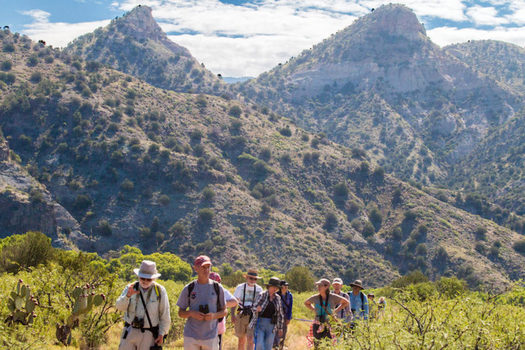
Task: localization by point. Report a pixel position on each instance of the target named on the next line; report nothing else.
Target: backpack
(217, 288)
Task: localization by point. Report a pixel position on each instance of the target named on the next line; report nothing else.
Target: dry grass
(296, 339)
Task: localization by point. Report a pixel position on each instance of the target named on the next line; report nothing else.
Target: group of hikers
(260, 317)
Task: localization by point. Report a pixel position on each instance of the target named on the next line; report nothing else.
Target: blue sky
(246, 38)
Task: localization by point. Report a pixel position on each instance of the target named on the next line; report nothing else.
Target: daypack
(217, 288)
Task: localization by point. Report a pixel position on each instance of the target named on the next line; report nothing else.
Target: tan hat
(337, 280)
(323, 281)
(148, 269)
(252, 273)
(357, 283)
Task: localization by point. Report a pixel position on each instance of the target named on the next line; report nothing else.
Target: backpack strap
(190, 289)
(157, 291)
(362, 302)
(218, 292)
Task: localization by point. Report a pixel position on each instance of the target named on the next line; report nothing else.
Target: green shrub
(413, 277)
(104, 228)
(330, 221)
(127, 185)
(82, 201)
(235, 111)
(519, 246)
(341, 190)
(208, 194)
(450, 287)
(206, 215)
(6, 65)
(24, 251)
(286, 131)
(300, 279)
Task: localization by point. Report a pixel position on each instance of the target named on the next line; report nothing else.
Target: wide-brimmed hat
(323, 281)
(274, 282)
(202, 260)
(284, 283)
(147, 269)
(357, 283)
(252, 273)
(370, 295)
(337, 280)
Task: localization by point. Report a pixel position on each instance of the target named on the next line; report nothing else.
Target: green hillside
(186, 173)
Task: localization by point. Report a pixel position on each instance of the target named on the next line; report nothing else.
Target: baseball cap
(202, 260)
(337, 281)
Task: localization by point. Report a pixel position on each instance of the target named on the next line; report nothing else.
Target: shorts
(196, 344)
(241, 326)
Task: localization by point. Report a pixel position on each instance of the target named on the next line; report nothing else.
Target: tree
(300, 279)
(330, 221)
(235, 111)
(23, 251)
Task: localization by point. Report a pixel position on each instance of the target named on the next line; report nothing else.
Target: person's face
(251, 280)
(371, 297)
(337, 287)
(355, 289)
(323, 287)
(272, 290)
(203, 270)
(284, 289)
(145, 283)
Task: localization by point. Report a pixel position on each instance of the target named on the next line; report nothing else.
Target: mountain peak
(139, 23)
(395, 20)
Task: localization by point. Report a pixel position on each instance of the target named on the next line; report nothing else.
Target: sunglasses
(252, 278)
(323, 285)
(146, 279)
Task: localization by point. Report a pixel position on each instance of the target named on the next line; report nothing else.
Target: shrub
(6, 65)
(32, 61)
(208, 194)
(235, 111)
(206, 215)
(36, 77)
(82, 201)
(450, 287)
(104, 228)
(196, 135)
(23, 251)
(286, 131)
(127, 185)
(368, 229)
(300, 279)
(341, 190)
(266, 154)
(481, 233)
(164, 199)
(519, 246)
(376, 217)
(330, 221)
(413, 277)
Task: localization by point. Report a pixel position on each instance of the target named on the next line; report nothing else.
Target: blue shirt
(287, 301)
(355, 304)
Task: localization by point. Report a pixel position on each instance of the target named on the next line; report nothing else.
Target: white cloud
(485, 16)
(58, 34)
(446, 9)
(450, 35)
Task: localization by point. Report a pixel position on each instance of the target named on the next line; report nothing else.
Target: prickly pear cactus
(21, 305)
(84, 300)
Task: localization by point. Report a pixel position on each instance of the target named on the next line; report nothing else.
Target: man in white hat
(344, 314)
(144, 326)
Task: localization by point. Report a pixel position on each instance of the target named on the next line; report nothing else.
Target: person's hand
(131, 290)
(209, 317)
(197, 315)
(159, 339)
(259, 308)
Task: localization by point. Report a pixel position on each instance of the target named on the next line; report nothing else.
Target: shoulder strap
(362, 301)
(218, 292)
(190, 289)
(145, 308)
(157, 291)
(244, 295)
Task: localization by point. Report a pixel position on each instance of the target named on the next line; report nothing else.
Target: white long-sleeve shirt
(159, 310)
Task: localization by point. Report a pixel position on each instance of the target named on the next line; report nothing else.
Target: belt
(126, 324)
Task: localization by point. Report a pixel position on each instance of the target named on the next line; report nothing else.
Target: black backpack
(217, 288)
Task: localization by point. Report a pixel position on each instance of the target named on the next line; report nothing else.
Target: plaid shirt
(262, 301)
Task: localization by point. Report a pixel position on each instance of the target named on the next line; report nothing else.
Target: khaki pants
(241, 326)
(136, 340)
(197, 344)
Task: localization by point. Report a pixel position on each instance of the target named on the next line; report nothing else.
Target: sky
(246, 38)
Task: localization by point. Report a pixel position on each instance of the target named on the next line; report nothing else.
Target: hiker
(287, 302)
(345, 314)
(246, 293)
(268, 316)
(231, 301)
(203, 303)
(146, 310)
(381, 306)
(372, 305)
(358, 301)
(324, 304)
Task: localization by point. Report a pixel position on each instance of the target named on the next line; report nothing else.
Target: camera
(204, 309)
(247, 311)
(137, 323)
(136, 286)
